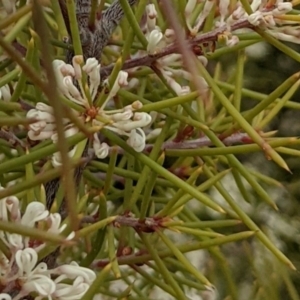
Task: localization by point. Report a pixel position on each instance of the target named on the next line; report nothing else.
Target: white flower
(45, 125)
(56, 158)
(120, 121)
(223, 8)
(9, 6)
(77, 61)
(72, 271)
(54, 223)
(190, 6)
(30, 276)
(5, 297)
(121, 81)
(153, 133)
(282, 8)
(75, 291)
(122, 116)
(5, 267)
(5, 93)
(204, 13)
(169, 36)
(139, 120)
(154, 38)
(14, 241)
(26, 260)
(256, 18)
(40, 284)
(237, 14)
(174, 59)
(137, 140)
(203, 60)
(66, 73)
(232, 41)
(151, 16)
(284, 37)
(101, 149)
(255, 5)
(3, 209)
(72, 92)
(35, 212)
(92, 68)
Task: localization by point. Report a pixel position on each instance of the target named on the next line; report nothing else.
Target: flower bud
(137, 140)
(154, 38)
(101, 149)
(151, 16)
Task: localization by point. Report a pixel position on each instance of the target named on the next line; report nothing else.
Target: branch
(236, 138)
(148, 60)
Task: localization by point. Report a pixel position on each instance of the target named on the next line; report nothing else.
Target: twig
(148, 60)
(236, 138)
(11, 138)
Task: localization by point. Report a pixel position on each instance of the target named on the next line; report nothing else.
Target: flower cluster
(126, 121)
(265, 15)
(22, 268)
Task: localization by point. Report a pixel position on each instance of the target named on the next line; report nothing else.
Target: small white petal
(234, 40)
(151, 16)
(15, 241)
(72, 90)
(5, 93)
(90, 65)
(67, 70)
(39, 136)
(35, 212)
(26, 260)
(57, 63)
(153, 134)
(71, 292)
(5, 296)
(169, 35)
(126, 115)
(68, 132)
(137, 140)
(77, 60)
(73, 270)
(172, 59)
(56, 157)
(9, 6)
(40, 284)
(120, 81)
(190, 6)
(122, 78)
(204, 13)
(282, 8)
(203, 60)
(256, 18)
(255, 5)
(54, 221)
(3, 209)
(223, 8)
(44, 107)
(92, 68)
(13, 205)
(101, 149)
(40, 115)
(154, 38)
